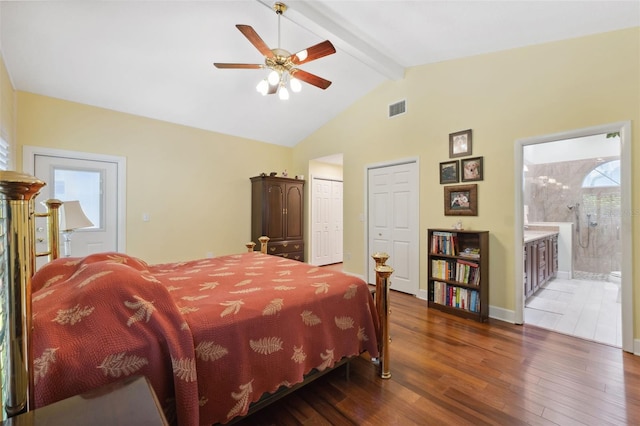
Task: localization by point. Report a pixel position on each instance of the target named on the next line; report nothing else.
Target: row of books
(459, 270)
(456, 297)
(444, 243)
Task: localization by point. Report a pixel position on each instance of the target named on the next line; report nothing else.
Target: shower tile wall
(548, 202)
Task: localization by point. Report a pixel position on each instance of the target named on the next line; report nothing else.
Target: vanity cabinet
(540, 260)
(277, 212)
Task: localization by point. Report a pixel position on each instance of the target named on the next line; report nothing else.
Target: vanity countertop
(532, 235)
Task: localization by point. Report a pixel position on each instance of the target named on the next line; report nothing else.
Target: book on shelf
(456, 297)
(459, 270)
(443, 242)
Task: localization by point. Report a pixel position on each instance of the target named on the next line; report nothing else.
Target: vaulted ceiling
(155, 58)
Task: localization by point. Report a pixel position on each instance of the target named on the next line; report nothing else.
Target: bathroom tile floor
(581, 308)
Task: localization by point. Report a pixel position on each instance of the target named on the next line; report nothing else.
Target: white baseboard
(502, 314)
(422, 294)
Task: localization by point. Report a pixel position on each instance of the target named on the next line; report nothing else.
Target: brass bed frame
(17, 266)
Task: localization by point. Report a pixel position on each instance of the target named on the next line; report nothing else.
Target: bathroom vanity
(540, 257)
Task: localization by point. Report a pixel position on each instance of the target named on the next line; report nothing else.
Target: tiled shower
(556, 192)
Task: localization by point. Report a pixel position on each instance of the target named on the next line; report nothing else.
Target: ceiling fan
(282, 63)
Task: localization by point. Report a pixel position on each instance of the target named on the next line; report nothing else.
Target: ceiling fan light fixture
(282, 65)
(263, 87)
(302, 55)
(283, 93)
(274, 77)
(295, 85)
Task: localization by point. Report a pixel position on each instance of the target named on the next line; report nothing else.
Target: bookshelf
(458, 272)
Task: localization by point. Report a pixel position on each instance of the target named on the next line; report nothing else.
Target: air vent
(398, 108)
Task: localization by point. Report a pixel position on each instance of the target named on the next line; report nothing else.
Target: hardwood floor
(447, 370)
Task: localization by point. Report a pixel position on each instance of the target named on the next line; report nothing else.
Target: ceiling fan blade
(312, 79)
(255, 39)
(236, 66)
(314, 52)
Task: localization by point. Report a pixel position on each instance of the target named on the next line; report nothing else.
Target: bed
(214, 336)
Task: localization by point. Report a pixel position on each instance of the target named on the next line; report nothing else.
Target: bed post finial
(263, 244)
(17, 192)
(250, 245)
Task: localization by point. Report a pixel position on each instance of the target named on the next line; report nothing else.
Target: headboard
(17, 265)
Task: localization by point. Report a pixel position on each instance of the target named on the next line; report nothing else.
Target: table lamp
(71, 218)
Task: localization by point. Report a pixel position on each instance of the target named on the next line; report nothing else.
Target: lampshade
(274, 77)
(72, 217)
(263, 87)
(283, 93)
(295, 84)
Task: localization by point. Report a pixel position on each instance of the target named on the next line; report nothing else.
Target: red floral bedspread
(212, 335)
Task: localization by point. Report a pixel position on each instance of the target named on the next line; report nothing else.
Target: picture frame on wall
(472, 169)
(450, 172)
(460, 144)
(461, 200)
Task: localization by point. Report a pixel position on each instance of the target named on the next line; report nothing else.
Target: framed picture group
(461, 199)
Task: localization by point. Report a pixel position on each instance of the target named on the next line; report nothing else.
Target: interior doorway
(578, 183)
(326, 221)
(326, 211)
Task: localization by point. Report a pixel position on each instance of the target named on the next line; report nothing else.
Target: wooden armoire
(277, 205)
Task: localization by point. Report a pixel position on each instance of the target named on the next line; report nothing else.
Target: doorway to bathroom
(573, 192)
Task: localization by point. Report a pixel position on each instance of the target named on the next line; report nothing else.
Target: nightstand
(131, 401)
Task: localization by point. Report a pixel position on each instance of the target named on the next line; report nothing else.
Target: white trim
(28, 166)
(624, 127)
(502, 314)
(423, 294)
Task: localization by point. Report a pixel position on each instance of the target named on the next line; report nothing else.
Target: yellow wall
(502, 97)
(7, 110)
(323, 170)
(193, 183)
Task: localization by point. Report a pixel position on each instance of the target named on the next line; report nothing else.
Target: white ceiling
(154, 58)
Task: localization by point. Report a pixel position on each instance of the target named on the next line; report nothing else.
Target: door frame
(626, 286)
(28, 166)
(365, 218)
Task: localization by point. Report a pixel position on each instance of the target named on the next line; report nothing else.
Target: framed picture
(449, 172)
(471, 169)
(461, 200)
(460, 144)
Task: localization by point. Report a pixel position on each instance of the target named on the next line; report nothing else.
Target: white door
(393, 223)
(326, 222)
(95, 184)
(320, 222)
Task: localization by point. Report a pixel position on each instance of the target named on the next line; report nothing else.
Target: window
(84, 186)
(603, 175)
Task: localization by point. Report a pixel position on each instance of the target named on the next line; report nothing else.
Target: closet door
(326, 221)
